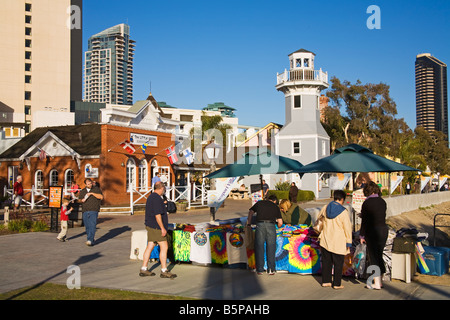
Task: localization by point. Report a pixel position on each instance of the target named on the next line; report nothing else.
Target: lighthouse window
(296, 147)
(297, 102)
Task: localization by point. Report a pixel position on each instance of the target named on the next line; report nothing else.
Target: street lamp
(212, 151)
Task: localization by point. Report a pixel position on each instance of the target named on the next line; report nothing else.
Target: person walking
(335, 239)
(374, 231)
(156, 223)
(18, 192)
(64, 220)
(91, 197)
(267, 214)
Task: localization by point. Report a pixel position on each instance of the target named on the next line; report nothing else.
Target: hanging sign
(140, 139)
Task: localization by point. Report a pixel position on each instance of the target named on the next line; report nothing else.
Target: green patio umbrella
(353, 158)
(258, 161)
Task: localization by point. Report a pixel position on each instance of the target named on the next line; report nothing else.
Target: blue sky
(199, 52)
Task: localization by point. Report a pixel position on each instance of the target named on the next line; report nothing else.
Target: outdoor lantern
(212, 150)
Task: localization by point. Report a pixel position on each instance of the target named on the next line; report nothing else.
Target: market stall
(227, 244)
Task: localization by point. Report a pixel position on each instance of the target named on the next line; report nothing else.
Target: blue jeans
(265, 233)
(90, 222)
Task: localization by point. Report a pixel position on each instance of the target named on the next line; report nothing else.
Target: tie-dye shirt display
(297, 250)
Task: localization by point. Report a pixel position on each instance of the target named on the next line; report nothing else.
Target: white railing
(195, 196)
(302, 75)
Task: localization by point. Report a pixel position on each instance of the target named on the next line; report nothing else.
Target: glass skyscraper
(108, 69)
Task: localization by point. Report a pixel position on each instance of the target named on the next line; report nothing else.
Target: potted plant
(181, 205)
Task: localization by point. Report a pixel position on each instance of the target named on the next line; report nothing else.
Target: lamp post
(212, 151)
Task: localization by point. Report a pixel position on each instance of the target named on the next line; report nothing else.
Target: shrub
(303, 195)
(39, 226)
(283, 186)
(19, 225)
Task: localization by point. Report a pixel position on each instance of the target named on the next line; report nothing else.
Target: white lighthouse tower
(302, 137)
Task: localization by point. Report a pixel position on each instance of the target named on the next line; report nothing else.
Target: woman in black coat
(374, 231)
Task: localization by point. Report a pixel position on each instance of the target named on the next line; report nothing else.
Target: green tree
(369, 116)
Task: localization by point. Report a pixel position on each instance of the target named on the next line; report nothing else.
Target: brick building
(59, 155)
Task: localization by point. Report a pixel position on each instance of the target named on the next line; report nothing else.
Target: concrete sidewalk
(33, 258)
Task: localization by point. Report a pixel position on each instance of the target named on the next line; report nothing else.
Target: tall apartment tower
(108, 69)
(431, 93)
(40, 63)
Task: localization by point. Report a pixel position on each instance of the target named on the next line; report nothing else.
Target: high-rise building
(431, 93)
(108, 69)
(40, 63)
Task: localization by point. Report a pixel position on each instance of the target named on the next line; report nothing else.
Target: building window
(69, 177)
(28, 55)
(28, 7)
(297, 102)
(324, 148)
(306, 63)
(27, 31)
(298, 63)
(39, 180)
(11, 132)
(13, 172)
(143, 175)
(28, 43)
(53, 178)
(28, 110)
(131, 175)
(27, 95)
(27, 66)
(296, 148)
(27, 19)
(27, 79)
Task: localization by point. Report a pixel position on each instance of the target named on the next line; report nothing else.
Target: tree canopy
(366, 114)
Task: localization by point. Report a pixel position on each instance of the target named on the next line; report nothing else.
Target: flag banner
(423, 182)
(188, 155)
(218, 196)
(42, 155)
(144, 146)
(442, 180)
(339, 181)
(128, 147)
(171, 154)
(395, 181)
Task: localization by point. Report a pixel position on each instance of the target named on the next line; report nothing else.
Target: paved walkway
(34, 258)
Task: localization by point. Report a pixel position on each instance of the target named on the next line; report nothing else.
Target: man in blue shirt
(156, 223)
(156, 179)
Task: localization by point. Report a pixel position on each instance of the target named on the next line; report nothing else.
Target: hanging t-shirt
(181, 245)
(236, 248)
(218, 242)
(200, 247)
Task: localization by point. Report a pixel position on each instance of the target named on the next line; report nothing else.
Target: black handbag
(404, 245)
(171, 207)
